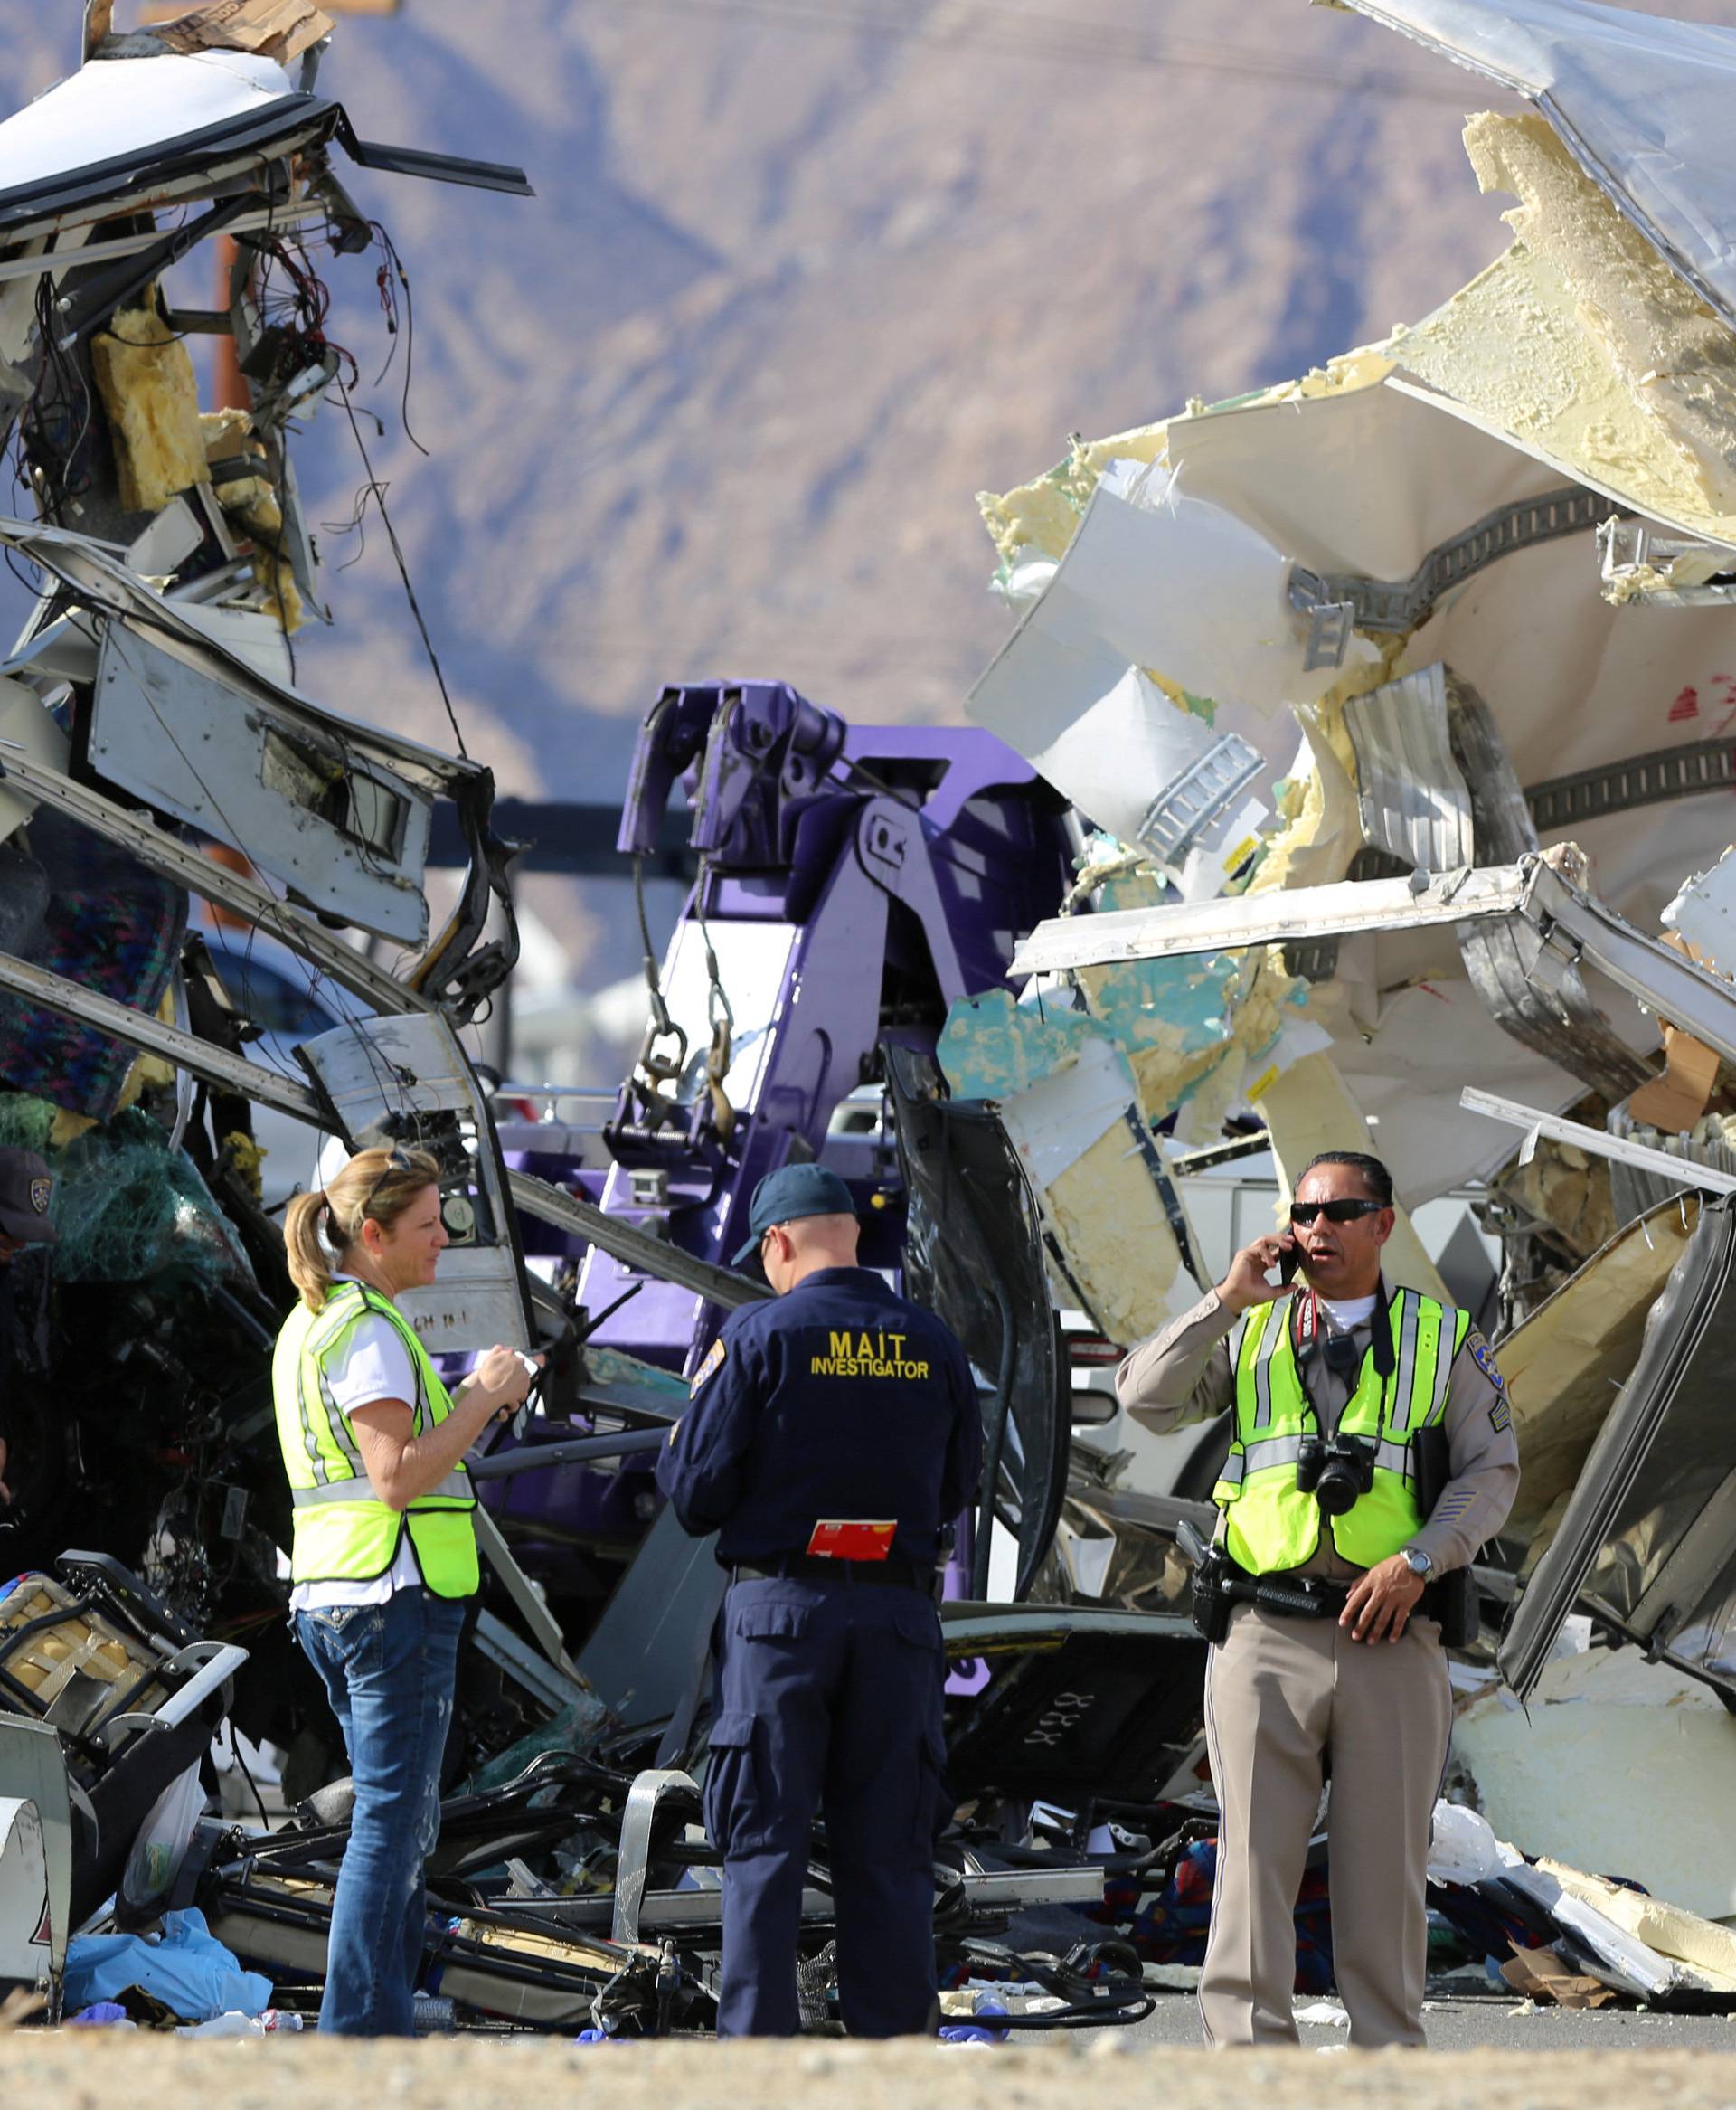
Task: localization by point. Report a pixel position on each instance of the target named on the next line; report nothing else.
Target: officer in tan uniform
(1328, 1661)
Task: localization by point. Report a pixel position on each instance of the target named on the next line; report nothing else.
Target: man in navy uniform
(831, 1433)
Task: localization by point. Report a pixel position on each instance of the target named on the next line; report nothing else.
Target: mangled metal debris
(1329, 734)
(154, 715)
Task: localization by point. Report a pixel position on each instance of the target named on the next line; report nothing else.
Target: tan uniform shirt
(1183, 1374)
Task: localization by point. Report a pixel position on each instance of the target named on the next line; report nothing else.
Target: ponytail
(309, 1268)
(319, 1228)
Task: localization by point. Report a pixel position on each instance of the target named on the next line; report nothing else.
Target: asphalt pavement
(1460, 2021)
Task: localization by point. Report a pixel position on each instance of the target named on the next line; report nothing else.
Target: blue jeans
(389, 1671)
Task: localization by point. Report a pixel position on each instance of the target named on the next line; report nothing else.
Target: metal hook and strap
(654, 1071)
(719, 1014)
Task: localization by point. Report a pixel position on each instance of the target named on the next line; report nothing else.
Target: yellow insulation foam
(144, 377)
(1582, 342)
(1108, 1216)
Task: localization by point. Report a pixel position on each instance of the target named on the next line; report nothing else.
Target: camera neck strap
(1338, 1350)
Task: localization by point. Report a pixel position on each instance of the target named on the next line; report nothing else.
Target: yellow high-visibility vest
(1270, 1524)
(342, 1531)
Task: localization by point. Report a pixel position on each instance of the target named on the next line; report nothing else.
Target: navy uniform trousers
(829, 1698)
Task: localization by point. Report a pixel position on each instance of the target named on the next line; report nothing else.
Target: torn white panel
(1055, 1121)
(23, 1895)
(1413, 800)
(1561, 1773)
(251, 634)
(115, 111)
(389, 1080)
(1704, 914)
(1271, 919)
(1169, 584)
(1642, 103)
(1404, 1062)
(295, 796)
(1198, 818)
(171, 538)
(1359, 476)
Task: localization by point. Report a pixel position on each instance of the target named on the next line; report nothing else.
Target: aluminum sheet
(1414, 802)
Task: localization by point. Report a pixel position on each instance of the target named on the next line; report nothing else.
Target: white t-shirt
(1348, 1312)
(375, 1364)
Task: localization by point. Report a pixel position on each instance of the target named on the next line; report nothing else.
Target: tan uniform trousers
(1281, 1697)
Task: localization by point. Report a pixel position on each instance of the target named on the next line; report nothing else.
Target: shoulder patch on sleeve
(712, 1363)
(1483, 1356)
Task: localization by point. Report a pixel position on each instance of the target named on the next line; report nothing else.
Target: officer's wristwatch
(1420, 1563)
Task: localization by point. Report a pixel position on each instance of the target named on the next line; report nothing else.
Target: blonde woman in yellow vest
(1332, 1375)
(385, 1551)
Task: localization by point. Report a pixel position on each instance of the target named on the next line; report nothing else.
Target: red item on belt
(845, 1539)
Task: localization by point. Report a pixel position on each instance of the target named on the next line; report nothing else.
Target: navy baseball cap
(793, 1191)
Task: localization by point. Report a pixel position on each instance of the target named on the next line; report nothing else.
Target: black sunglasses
(1337, 1212)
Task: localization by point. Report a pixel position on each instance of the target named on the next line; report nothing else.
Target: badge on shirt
(1483, 1356)
(712, 1363)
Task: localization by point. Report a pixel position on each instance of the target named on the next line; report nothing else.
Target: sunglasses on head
(399, 1160)
(1336, 1212)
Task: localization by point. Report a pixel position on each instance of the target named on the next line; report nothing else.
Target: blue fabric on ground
(185, 1968)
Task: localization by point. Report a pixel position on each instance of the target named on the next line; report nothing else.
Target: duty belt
(1294, 1596)
(807, 1567)
(1290, 1595)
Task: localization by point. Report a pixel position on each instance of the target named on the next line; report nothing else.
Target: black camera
(1335, 1473)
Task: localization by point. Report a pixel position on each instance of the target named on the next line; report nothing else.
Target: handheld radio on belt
(1451, 1598)
(1219, 1585)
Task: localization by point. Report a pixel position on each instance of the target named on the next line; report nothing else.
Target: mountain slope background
(800, 278)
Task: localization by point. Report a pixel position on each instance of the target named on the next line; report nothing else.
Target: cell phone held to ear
(1288, 1261)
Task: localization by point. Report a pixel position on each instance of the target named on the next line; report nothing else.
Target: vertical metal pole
(229, 383)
